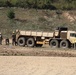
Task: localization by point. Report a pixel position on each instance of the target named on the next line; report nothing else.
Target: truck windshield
(72, 34)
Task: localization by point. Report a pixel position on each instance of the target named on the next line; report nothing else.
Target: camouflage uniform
(13, 39)
(17, 33)
(1, 39)
(7, 41)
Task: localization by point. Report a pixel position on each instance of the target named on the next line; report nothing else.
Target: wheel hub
(63, 44)
(54, 44)
(21, 41)
(30, 42)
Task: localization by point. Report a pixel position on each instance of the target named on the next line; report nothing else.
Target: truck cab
(71, 36)
(63, 38)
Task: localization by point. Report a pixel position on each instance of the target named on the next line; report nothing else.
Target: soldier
(13, 38)
(1, 38)
(7, 41)
(17, 33)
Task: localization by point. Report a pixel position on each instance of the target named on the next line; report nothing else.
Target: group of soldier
(14, 42)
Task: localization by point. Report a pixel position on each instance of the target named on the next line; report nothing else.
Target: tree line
(40, 4)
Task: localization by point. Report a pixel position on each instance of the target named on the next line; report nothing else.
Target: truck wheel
(39, 45)
(64, 44)
(53, 43)
(21, 41)
(30, 42)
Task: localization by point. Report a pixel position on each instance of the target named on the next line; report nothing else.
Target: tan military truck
(61, 37)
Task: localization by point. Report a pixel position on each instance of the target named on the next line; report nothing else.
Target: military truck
(61, 37)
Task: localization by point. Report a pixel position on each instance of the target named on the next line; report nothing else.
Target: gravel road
(24, 65)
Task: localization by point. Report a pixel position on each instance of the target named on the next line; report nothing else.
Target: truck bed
(36, 33)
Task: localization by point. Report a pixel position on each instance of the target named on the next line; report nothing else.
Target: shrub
(8, 4)
(11, 14)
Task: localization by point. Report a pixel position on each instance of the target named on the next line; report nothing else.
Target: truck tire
(39, 45)
(64, 44)
(53, 43)
(21, 41)
(30, 42)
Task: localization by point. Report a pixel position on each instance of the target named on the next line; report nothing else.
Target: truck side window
(72, 35)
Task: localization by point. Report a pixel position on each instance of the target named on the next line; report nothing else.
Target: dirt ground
(15, 60)
(41, 51)
(18, 65)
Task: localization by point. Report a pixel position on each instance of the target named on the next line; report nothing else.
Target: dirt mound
(69, 17)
